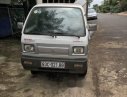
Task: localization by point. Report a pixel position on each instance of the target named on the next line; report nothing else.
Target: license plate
(49, 64)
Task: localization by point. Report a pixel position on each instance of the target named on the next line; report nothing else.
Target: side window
(31, 24)
(32, 20)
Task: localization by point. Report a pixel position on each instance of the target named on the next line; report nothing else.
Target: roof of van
(58, 5)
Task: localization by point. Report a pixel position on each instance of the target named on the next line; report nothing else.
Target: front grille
(53, 49)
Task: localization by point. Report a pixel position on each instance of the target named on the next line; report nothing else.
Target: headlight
(78, 50)
(29, 47)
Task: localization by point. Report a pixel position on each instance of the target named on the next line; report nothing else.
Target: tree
(113, 6)
(89, 1)
(123, 5)
(96, 7)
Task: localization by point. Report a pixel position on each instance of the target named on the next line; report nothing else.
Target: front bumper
(71, 65)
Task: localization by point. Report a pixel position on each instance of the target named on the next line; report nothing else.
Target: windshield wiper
(34, 33)
(67, 34)
(76, 36)
(51, 33)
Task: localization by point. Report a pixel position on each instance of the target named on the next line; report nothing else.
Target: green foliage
(96, 7)
(113, 6)
(123, 5)
(115, 9)
(89, 1)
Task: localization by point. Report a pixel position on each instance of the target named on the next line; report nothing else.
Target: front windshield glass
(58, 21)
(90, 10)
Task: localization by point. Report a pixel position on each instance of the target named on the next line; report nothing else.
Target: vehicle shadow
(64, 79)
(51, 84)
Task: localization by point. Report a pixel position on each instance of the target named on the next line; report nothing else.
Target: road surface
(107, 70)
(108, 56)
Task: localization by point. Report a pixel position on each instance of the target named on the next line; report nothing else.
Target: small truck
(55, 38)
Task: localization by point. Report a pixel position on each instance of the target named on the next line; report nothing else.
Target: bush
(115, 9)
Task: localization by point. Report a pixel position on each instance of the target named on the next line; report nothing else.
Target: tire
(33, 72)
(84, 73)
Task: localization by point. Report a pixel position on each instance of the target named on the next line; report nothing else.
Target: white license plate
(49, 64)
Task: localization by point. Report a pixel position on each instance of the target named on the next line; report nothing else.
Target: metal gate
(5, 23)
(58, 1)
(9, 18)
(16, 15)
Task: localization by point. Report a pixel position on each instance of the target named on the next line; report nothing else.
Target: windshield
(90, 10)
(58, 21)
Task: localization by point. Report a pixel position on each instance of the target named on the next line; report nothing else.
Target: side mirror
(92, 27)
(20, 25)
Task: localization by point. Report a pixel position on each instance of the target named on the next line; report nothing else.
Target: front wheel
(84, 73)
(33, 72)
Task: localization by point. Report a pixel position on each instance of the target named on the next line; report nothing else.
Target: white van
(55, 38)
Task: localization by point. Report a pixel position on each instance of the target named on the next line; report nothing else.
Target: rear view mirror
(92, 27)
(20, 25)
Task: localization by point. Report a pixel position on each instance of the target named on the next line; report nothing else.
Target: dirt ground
(108, 56)
(107, 70)
(123, 13)
(17, 82)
